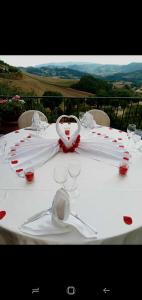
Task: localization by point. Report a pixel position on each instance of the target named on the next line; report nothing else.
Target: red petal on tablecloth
(29, 136)
(17, 145)
(98, 133)
(2, 214)
(110, 128)
(19, 170)
(114, 141)
(106, 136)
(13, 162)
(22, 141)
(120, 139)
(17, 131)
(128, 220)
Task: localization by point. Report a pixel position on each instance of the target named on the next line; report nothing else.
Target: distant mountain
(104, 70)
(135, 77)
(62, 64)
(96, 69)
(49, 71)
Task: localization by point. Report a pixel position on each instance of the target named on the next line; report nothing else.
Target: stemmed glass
(81, 116)
(136, 138)
(74, 169)
(43, 126)
(60, 174)
(130, 131)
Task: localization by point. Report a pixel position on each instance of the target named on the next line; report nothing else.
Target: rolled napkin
(57, 220)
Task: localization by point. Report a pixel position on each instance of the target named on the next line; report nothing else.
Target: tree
(93, 85)
(53, 100)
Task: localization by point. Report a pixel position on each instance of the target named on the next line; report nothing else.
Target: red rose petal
(120, 131)
(128, 220)
(114, 141)
(98, 133)
(14, 162)
(110, 128)
(19, 170)
(106, 136)
(17, 145)
(29, 136)
(2, 214)
(17, 131)
(22, 141)
(121, 146)
(93, 131)
(120, 139)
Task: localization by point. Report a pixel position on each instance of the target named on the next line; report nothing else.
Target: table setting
(66, 184)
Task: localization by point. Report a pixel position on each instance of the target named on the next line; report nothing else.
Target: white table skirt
(105, 197)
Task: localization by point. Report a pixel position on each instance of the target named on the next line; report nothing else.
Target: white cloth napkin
(89, 121)
(35, 119)
(57, 220)
(101, 149)
(36, 151)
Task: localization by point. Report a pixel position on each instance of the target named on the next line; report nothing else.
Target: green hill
(9, 72)
(135, 77)
(49, 71)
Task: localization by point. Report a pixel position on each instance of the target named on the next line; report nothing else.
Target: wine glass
(60, 174)
(74, 169)
(136, 138)
(130, 130)
(81, 116)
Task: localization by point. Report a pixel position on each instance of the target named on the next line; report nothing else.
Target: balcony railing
(121, 110)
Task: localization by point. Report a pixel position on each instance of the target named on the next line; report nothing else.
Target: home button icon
(71, 290)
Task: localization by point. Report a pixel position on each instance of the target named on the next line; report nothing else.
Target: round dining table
(108, 202)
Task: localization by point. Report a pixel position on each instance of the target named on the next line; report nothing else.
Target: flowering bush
(11, 109)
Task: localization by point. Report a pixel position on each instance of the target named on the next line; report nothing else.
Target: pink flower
(2, 101)
(16, 98)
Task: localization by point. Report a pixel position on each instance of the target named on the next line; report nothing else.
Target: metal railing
(121, 110)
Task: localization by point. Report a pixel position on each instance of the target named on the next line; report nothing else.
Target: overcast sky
(32, 60)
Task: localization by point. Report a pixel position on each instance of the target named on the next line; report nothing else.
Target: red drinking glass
(123, 170)
(124, 165)
(29, 174)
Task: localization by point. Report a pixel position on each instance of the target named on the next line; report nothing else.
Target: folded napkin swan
(57, 220)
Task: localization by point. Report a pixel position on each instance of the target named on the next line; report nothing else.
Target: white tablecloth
(105, 197)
